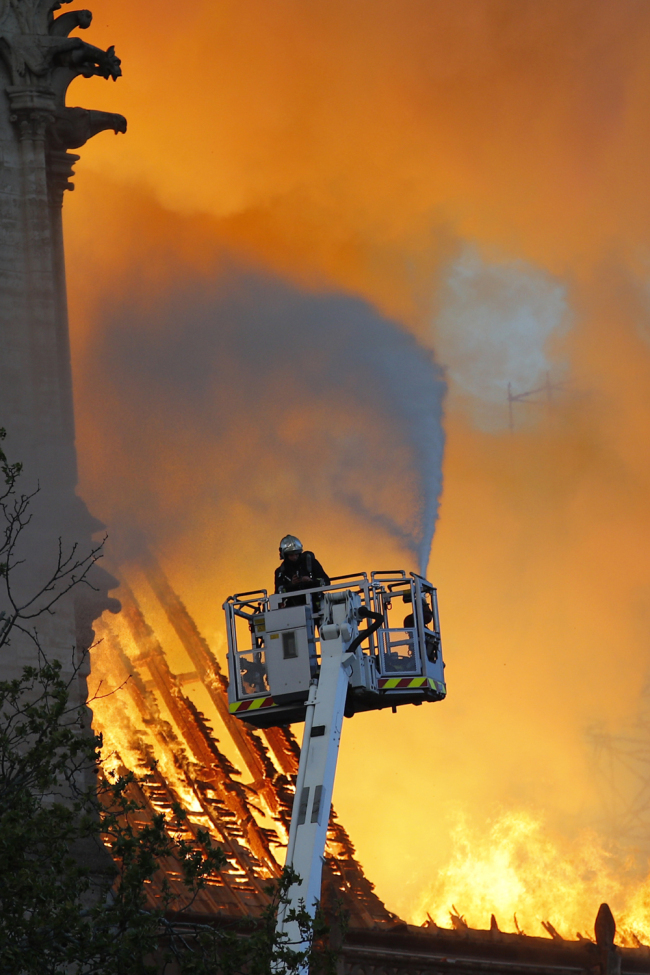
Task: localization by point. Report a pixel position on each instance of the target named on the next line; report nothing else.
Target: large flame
(514, 869)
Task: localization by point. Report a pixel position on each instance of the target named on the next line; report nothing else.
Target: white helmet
(289, 545)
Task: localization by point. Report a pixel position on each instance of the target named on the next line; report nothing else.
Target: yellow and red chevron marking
(254, 704)
(404, 683)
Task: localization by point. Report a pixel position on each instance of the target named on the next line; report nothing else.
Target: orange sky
(475, 171)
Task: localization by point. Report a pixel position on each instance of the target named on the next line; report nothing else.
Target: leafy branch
(70, 570)
(82, 884)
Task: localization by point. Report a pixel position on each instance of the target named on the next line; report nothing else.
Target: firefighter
(431, 640)
(299, 570)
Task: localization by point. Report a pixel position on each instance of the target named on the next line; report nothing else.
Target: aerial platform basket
(387, 623)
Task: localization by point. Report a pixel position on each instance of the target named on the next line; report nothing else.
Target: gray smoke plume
(274, 395)
(497, 327)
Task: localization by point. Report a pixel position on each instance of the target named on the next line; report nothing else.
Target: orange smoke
(360, 148)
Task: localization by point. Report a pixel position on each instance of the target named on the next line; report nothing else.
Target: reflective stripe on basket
(405, 683)
(254, 704)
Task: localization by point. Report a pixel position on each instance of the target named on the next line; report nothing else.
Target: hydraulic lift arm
(280, 678)
(316, 773)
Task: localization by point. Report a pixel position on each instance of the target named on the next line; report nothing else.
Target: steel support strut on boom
(302, 657)
(318, 757)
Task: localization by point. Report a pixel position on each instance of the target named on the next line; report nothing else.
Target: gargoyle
(35, 16)
(30, 56)
(43, 60)
(72, 127)
(89, 60)
(66, 23)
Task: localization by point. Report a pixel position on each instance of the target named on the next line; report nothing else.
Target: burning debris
(170, 725)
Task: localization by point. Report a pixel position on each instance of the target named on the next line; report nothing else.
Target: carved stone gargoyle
(42, 61)
(72, 127)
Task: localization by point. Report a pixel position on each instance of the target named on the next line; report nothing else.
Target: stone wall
(39, 57)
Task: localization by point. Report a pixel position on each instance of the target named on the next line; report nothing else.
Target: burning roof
(159, 700)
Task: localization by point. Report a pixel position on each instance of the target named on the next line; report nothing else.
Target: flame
(515, 869)
(118, 719)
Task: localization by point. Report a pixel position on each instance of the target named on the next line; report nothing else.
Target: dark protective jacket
(307, 565)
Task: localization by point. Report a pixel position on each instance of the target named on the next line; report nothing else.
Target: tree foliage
(65, 905)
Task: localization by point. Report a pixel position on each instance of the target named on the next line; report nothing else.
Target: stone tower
(38, 60)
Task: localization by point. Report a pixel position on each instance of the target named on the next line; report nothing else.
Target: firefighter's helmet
(290, 545)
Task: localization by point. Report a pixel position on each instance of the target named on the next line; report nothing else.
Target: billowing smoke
(293, 405)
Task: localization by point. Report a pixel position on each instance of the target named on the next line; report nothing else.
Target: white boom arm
(317, 769)
(278, 678)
